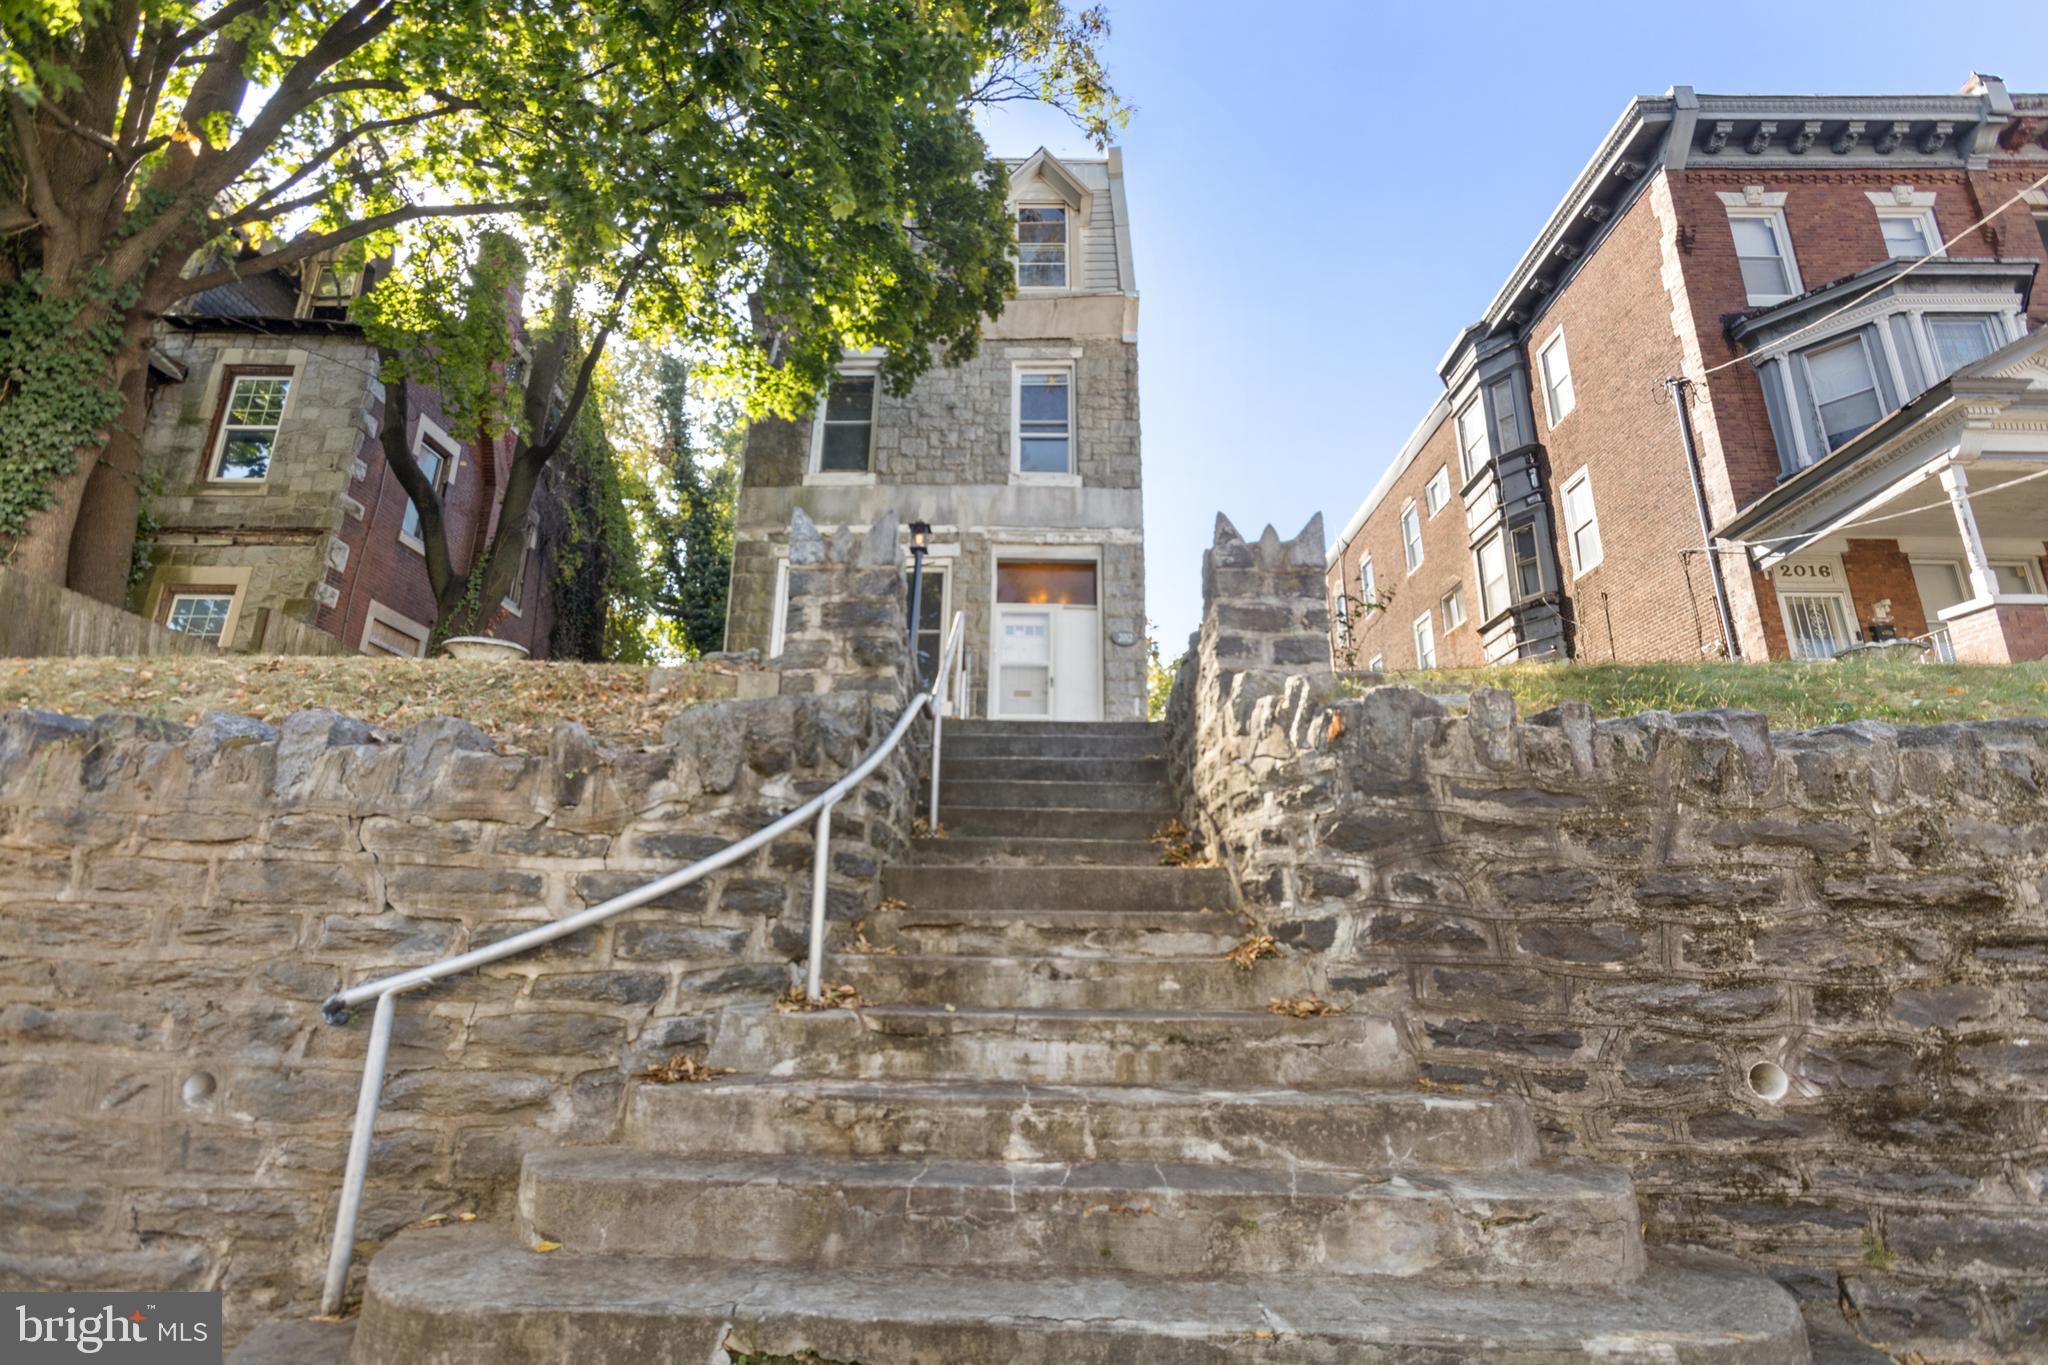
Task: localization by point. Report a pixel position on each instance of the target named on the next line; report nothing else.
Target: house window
(1763, 251)
(1340, 612)
(930, 631)
(1378, 663)
(2041, 226)
(433, 462)
(1425, 642)
(1438, 491)
(2014, 577)
(1960, 340)
(1493, 575)
(1411, 537)
(1556, 363)
(1844, 388)
(515, 600)
(387, 632)
(1908, 233)
(1045, 423)
(1368, 586)
(198, 611)
(249, 420)
(1042, 247)
(1472, 438)
(1815, 625)
(1528, 572)
(845, 441)
(1581, 523)
(1507, 423)
(1452, 607)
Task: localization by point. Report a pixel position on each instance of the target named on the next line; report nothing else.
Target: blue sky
(1323, 194)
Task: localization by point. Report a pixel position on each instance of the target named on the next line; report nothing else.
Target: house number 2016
(1806, 571)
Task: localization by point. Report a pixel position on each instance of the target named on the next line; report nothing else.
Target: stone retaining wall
(175, 905)
(1644, 926)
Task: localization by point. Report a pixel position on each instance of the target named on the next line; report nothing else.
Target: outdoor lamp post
(920, 541)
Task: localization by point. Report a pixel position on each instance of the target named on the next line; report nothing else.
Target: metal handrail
(385, 990)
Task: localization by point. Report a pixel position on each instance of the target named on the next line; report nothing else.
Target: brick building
(270, 494)
(1858, 397)
(1024, 461)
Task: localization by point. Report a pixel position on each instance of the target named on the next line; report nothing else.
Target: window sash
(204, 614)
(1493, 575)
(1507, 422)
(1411, 537)
(846, 438)
(1045, 406)
(1849, 404)
(1438, 491)
(1905, 235)
(1528, 572)
(1582, 524)
(1425, 642)
(1556, 364)
(1041, 247)
(1958, 341)
(1452, 607)
(250, 418)
(431, 462)
(1368, 585)
(1472, 451)
(1760, 252)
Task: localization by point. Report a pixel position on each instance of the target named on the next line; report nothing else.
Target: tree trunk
(103, 540)
(44, 549)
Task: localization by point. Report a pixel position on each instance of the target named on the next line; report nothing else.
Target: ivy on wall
(54, 396)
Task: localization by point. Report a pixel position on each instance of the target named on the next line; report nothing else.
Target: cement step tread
(952, 742)
(1146, 729)
(956, 767)
(1547, 1224)
(1146, 797)
(473, 1296)
(1080, 888)
(985, 850)
(1065, 1046)
(992, 1120)
(1072, 980)
(1129, 933)
(959, 816)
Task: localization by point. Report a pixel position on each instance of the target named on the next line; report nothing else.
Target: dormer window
(328, 287)
(1042, 246)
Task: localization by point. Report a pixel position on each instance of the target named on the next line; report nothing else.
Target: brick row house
(1024, 462)
(1868, 408)
(269, 492)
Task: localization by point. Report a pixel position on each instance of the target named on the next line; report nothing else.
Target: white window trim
(1424, 627)
(1073, 218)
(188, 577)
(862, 368)
(1018, 369)
(223, 398)
(1411, 506)
(379, 614)
(1582, 479)
(778, 618)
(1467, 469)
(516, 603)
(1454, 593)
(1770, 208)
(1841, 598)
(451, 461)
(1378, 663)
(1870, 362)
(1430, 501)
(1551, 415)
(1368, 586)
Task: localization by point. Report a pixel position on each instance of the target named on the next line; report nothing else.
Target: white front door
(1048, 645)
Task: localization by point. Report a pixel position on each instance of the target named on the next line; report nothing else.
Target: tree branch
(257, 207)
(300, 248)
(41, 196)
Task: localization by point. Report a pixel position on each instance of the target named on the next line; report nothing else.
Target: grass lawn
(517, 704)
(1796, 696)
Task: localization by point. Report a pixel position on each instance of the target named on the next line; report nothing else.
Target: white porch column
(1983, 583)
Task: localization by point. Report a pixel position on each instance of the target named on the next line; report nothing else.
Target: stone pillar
(845, 628)
(1263, 606)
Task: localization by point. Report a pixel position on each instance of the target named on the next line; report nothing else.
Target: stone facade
(943, 454)
(1796, 983)
(177, 905)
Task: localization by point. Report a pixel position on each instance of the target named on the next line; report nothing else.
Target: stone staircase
(1066, 1130)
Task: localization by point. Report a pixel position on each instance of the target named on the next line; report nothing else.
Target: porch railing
(940, 697)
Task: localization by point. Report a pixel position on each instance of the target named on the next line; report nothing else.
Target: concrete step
(1119, 933)
(988, 850)
(1537, 1224)
(1073, 795)
(1061, 888)
(1068, 1047)
(1064, 729)
(955, 767)
(1071, 982)
(959, 816)
(473, 1296)
(1382, 1130)
(1005, 745)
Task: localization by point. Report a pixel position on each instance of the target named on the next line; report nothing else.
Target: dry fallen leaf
(1256, 945)
(545, 1247)
(830, 997)
(1310, 1006)
(895, 903)
(683, 1069)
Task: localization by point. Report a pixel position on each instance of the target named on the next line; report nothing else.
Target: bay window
(1844, 378)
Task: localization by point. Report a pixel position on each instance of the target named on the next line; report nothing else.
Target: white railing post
(814, 988)
(358, 1168)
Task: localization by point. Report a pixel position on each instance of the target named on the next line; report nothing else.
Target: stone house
(268, 493)
(1865, 403)
(1023, 461)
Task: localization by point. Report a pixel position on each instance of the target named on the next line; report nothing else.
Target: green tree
(1158, 679)
(772, 181)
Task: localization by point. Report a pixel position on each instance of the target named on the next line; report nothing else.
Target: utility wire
(1976, 495)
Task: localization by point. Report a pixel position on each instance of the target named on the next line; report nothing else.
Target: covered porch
(1928, 528)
